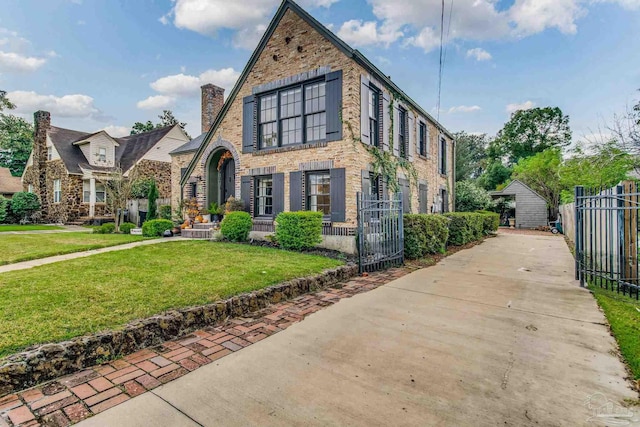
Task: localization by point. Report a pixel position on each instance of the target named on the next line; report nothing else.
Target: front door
(228, 179)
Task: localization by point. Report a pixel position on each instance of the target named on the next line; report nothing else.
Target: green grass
(25, 247)
(86, 295)
(4, 228)
(624, 319)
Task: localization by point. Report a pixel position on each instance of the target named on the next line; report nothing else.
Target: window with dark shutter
(248, 121)
(443, 156)
(423, 198)
(374, 116)
(263, 197)
(422, 144)
(295, 191)
(318, 189)
(402, 132)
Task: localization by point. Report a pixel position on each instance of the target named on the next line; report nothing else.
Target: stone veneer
(299, 48)
(160, 171)
(49, 361)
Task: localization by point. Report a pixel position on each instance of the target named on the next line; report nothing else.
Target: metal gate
(607, 237)
(380, 232)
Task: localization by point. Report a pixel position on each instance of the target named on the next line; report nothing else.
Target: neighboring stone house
(296, 132)
(67, 168)
(9, 184)
(531, 209)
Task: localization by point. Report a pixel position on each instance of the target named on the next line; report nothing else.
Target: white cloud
(535, 16)
(187, 85)
(361, 33)
(464, 109)
(527, 105)
(155, 102)
(76, 105)
(116, 131)
(427, 40)
(10, 61)
(53, 54)
(479, 54)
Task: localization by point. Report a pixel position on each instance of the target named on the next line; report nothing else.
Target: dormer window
(102, 154)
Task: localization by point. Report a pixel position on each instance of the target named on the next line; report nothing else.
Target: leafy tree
(470, 197)
(529, 132)
(166, 119)
(495, 174)
(5, 104)
(24, 204)
(16, 140)
(541, 173)
(626, 130)
(152, 196)
(470, 155)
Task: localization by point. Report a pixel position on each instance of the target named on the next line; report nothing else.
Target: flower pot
(512, 223)
(206, 218)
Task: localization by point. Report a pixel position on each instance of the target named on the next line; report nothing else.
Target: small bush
(236, 226)
(165, 212)
(152, 197)
(299, 230)
(234, 205)
(126, 227)
(465, 227)
(24, 204)
(4, 209)
(107, 228)
(156, 227)
(491, 222)
(424, 234)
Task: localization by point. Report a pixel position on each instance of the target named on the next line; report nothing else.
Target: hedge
(156, 227)
(4, 209)
(236, 226)
(424, 234)
(106, 228)
(491, 222)
(299, 230)
(126, 227)
(464, 227)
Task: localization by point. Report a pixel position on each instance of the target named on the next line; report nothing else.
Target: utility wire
(440, 66)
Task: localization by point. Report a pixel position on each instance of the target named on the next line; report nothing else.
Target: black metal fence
(380, 232)
(606, 237)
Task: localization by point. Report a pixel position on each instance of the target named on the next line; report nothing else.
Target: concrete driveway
(496, 335)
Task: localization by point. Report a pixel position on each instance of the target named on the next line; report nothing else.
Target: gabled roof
(9, 184)
(505, 192)
(129, 149)
(85, 139)
(190, 146)
(335, 40)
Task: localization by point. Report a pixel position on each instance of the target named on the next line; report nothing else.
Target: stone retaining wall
(49, 361)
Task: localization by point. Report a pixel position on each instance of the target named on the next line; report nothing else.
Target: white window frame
(57, 191)
(49, 153)
(86, 191)
(30, 188)
(102, 154)
(100, 189)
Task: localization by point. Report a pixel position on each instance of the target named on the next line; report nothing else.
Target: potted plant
(216, 211)
(206, 215)
(191, 207)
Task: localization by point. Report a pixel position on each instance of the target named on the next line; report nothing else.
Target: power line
(440, 66)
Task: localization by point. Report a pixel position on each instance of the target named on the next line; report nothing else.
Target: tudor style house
(67, 168)
(297, 131)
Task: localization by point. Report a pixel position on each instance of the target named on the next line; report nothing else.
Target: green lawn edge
(15, 227)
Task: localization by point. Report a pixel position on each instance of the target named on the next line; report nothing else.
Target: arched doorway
(221, 177)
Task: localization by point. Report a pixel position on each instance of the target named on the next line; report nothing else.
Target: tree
(118, 192)
(470, 197)
(495, 174)
(16, 140)
(541, 173)
(5, 104)
(470, 155)
(626, 130)
(152, 196)
(166, 119)
(529, 132)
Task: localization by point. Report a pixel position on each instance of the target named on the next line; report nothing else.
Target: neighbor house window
(318, 192)
(30, 188)
(402, 132)
(422, 145)
(294, 115)
(49, 153)
(443, 156)
(374, 115)
(102, 154)
(57, 191)
(101, 193)
(263, 205)
(86, 191)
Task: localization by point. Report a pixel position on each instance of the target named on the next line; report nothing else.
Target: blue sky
(107, 64)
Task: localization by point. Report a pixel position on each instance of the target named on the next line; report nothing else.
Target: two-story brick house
(297, 129)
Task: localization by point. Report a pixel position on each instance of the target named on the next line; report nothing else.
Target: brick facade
(296, 47)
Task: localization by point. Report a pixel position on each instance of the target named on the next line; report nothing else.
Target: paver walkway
(49, 260)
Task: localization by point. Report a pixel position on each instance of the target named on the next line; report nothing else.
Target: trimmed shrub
(298, 230)
(106, 228)
(165, 212)
(156, 227)
(126, 227)
(424, 234)
(491, 222)
(24, 204)
(465, 227)
(4, 209)
(236, 226)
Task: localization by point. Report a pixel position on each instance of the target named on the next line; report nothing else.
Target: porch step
(206, 226)
(195, 233)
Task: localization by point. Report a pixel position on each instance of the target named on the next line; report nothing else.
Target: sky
(106, 64)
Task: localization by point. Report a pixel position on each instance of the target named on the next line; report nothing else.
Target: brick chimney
(212, 101)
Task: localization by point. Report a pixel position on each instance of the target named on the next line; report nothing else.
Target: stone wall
(160, 171)
(299, 48)
(50, 361)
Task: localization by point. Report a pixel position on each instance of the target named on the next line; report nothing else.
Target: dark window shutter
(338, 195)
(334, 105)
(423, 198)
(364, 110)
(295, 191)
(278, 193)
(245, 191)
(366, 183)
(406, 195)
(183, 171)
(248, 119)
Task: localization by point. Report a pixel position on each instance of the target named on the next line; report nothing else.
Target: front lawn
(72, 298)
(12, 227)
(25, 247)
(624, 318)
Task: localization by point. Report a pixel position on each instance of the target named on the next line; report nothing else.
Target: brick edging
(50, 361)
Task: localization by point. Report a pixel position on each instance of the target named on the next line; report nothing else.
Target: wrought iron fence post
(579, 233)
(621, 251)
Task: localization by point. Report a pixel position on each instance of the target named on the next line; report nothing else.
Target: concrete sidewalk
(50, 260)
(496, 335)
